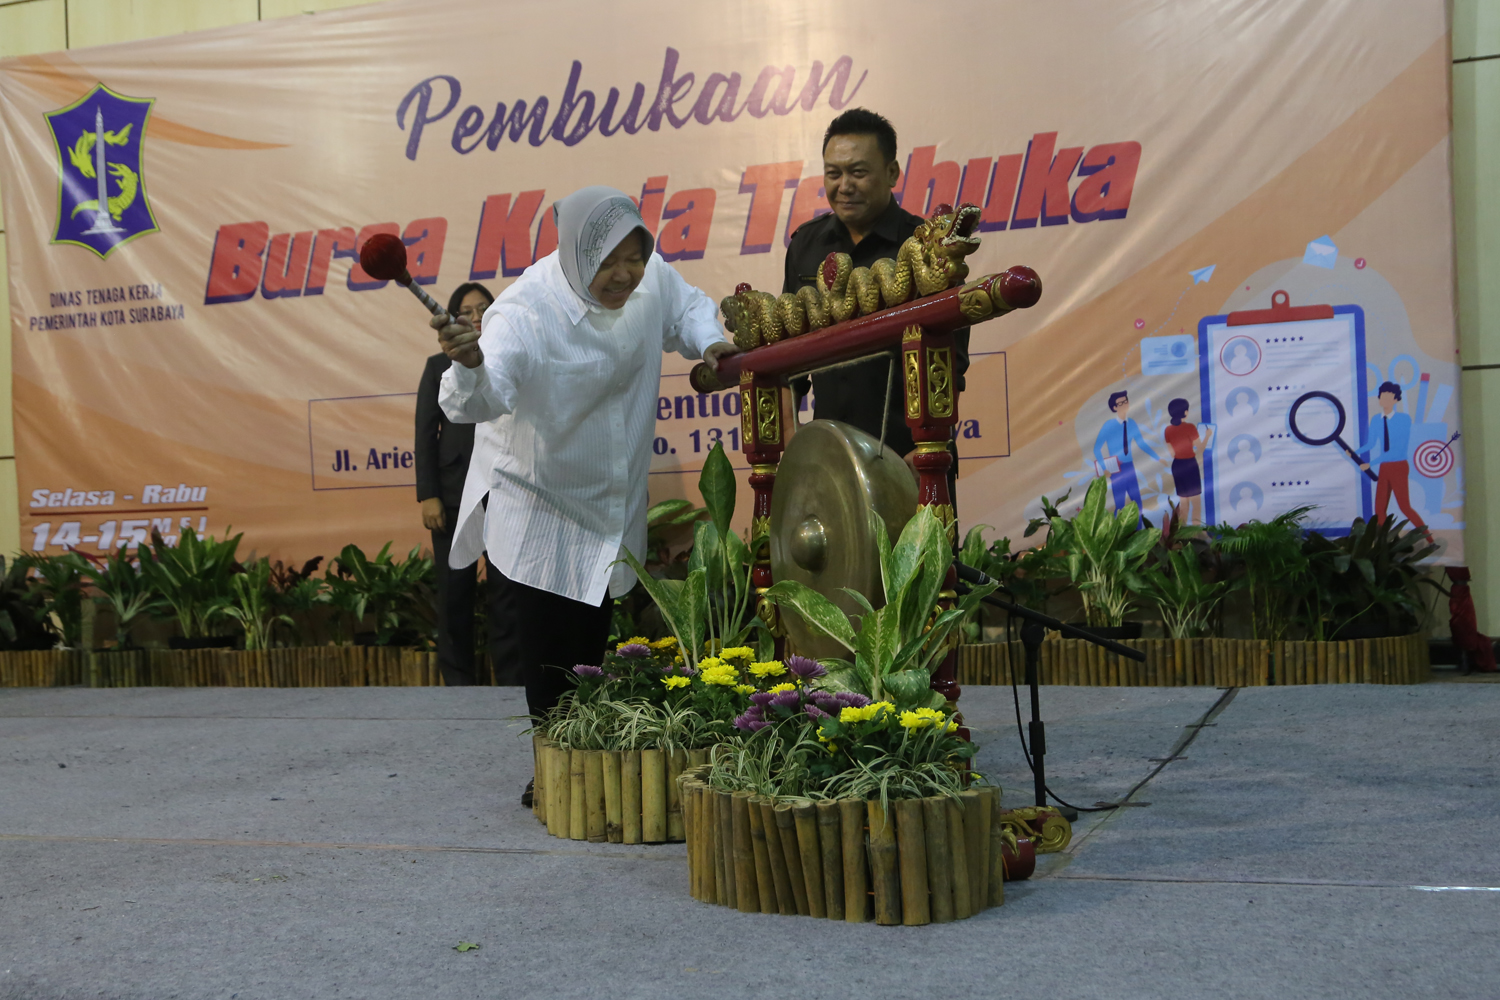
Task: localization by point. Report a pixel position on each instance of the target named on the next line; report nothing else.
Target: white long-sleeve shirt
(566, 471)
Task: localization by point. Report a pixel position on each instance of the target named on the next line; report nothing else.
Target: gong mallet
(384, 258)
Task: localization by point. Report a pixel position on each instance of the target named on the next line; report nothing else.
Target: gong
(830, 477)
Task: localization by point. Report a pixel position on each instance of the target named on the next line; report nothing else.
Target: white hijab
(591, 222)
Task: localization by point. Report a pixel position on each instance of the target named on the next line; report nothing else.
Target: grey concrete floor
(288, 844)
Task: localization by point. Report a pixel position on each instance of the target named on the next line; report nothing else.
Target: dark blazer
(443, 447)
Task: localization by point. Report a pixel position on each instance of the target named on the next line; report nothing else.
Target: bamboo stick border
(1204, 662)
(303, 666)
(923, 861)
(618, 797)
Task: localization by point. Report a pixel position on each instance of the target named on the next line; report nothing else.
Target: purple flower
(815, 713)
(588, 671)
(634, 649)
(762, 698)
(805, 668)
(787, 699)
(685, 670)
(755, 712)
(756, 725)
(742, 723)
(827, 700)
(852, 700)
(611, 677)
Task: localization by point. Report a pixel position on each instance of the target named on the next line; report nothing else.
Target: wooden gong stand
(922, 332)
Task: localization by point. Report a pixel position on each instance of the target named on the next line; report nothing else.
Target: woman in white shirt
(567, 363)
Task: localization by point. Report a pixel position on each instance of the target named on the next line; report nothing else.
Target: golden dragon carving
(929, 261)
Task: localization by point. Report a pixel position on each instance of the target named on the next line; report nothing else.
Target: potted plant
(397, 595)
(1366, 584)
(24, 624)
(125, 591)
(252, 605)
(1103, 550)
(192, 578)
(898, 644)
(59, 582)
(1270, 554)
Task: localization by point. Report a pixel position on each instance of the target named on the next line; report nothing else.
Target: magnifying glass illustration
(1323, 411)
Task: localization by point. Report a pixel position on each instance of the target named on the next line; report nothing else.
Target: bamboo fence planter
(925, 861)
(610, 796)
(1204, 662)
(298, 666)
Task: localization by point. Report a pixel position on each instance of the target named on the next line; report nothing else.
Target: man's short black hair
(1114, 399)
(862, 121)
(1391, 387)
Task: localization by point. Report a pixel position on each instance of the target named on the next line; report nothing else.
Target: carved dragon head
(946, 238)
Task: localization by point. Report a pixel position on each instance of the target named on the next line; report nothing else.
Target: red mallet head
(1018, 287)
(384, 258)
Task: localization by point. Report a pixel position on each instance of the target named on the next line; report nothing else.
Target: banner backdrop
(1241, 213)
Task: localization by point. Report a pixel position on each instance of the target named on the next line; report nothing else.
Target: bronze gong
(831, 475)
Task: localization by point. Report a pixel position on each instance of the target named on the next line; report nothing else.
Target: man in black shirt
(859, 171)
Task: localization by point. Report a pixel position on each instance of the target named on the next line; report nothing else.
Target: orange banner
(195, 344)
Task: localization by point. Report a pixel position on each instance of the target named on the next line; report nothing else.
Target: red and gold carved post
(931, 410)
(763, 439)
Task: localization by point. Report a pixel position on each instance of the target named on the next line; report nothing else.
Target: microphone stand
(1033, 631)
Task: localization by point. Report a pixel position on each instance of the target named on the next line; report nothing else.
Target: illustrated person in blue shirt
(1388, 444)
(1120, 438)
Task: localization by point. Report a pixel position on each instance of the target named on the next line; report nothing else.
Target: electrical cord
(1015, 693)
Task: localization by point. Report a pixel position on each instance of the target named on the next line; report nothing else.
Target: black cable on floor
(1182, 743)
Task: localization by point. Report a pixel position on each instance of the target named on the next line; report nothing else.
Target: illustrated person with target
(1388, 445)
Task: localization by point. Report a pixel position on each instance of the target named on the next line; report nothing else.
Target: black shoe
(526, 795)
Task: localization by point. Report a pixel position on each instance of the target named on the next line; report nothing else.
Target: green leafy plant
(1368, 580)
(296, 593)
(192, 577)
(1177, 586)
(713, 605)
(253, 605)
(898, 644)
(1270, 554)
(1103, 550)
(60, 581)
(397, 595)
(124, 590)
(23, 624)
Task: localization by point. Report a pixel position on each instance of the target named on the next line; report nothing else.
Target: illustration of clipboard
(1253, 366)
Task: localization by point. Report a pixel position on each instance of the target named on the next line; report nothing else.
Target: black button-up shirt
(857, 393)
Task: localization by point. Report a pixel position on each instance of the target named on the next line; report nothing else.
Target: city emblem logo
(101, 195)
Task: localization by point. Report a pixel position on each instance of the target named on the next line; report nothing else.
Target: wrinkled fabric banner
(1241, 213)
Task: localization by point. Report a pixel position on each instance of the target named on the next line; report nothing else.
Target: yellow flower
(782, 687)
(864, 714)
(716, 671)
(745, 688)
(922, 718)
(670, 642)
(634, 640)
(738, 653)
(771, 668)
(676, 681)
